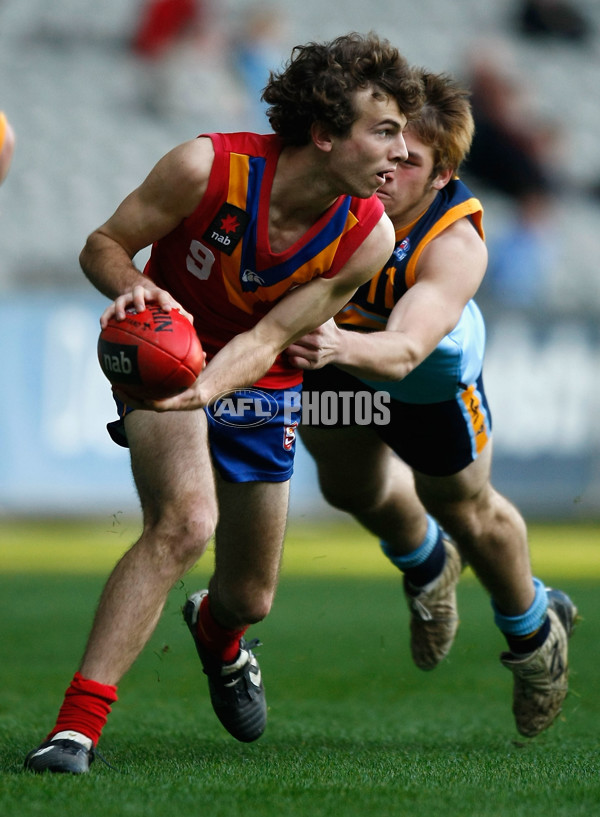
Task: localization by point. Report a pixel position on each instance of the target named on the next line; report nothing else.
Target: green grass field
(354, 728)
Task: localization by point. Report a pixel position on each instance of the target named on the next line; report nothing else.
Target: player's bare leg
(249, 542)
(488, 529)
(359, 474)
(173, 474)
(167, 450)
(536, 621)
(491, 536)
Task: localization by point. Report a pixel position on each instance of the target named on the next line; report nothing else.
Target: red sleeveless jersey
(218, 263)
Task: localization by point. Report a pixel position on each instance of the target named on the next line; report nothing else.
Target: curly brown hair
(320, 81)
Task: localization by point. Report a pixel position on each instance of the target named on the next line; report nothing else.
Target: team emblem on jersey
(227, 228)
(250, 280)
(402, 249)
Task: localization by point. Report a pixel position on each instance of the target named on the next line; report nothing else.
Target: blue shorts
(251, 437)
(437, 438)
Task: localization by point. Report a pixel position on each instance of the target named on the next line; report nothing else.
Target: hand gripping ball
(151, 354)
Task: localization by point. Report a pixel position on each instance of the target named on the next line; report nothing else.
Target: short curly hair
(320, 80)
(445, 122)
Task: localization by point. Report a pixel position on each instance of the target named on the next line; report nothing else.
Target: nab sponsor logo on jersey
(227, 228)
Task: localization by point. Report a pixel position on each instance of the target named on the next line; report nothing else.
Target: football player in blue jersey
(421, 482)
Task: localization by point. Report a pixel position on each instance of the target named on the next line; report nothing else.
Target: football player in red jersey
(259, 239)
(414, 333)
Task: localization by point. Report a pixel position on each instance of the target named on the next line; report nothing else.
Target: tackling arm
(449, 273)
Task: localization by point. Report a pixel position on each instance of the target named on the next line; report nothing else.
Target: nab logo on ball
(119, 362)
(246, 407)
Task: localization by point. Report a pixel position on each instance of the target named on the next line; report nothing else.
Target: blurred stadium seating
(71, 86)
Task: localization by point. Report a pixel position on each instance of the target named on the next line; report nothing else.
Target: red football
(150, 354)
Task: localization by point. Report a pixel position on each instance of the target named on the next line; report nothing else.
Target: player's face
(410, 189)
(375, 145)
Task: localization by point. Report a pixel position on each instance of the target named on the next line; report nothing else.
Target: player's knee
(256, 609)
(474, 518)
(190, 540)
(181, 538)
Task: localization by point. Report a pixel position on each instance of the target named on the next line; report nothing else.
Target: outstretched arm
(248, 356)
(449, 273)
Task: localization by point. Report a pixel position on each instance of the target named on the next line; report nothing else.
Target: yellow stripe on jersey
(390, 272)
(373, 288)
(470, 207)
(238, 179)
(237, 194)
(389, 299)
(361, 318)
(473, 405)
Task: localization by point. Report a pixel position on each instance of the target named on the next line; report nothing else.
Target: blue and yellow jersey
(218, 262)
(457, 360)
(372, 303)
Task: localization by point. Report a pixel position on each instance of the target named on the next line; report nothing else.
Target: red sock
(85, 708)
(225, 643)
